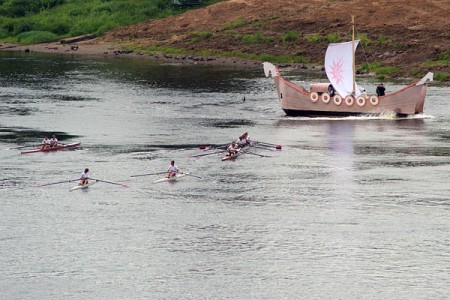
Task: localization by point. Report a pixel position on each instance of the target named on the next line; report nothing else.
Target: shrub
(32, 37)
(201, 34)
(386, 71)
(238, 23)
(3, 33)
(251, 39)
(443, 56)
(333, 38)
(364, 39)
(267, 57)
(382, 39)
(290, 36)
(442, 76)
(369, 67)
(313, 38)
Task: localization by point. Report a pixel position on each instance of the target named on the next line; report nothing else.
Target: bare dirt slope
(403, 33)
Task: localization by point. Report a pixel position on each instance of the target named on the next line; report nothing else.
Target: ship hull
(295, 100)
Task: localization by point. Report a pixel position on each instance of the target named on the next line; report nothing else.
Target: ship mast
(353, 54)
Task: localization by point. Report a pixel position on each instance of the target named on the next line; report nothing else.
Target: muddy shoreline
(102, 49)
(96, 49)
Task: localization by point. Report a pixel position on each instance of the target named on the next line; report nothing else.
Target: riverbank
(100, 48)
(245, 33)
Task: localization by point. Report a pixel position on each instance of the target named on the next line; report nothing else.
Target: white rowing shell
(171, 178)
(79, 187)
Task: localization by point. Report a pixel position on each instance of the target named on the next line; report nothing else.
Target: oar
(203, 147)
(148, 174)
(278, 147)
(20, 147)
(110, 182)
(65, 181)
(189, 174)
(264, 147)
(204, 154)
(260, 155)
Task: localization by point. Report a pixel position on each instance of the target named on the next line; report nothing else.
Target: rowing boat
(84, 186)
(239, 153)
(59, 147)
(174, 178)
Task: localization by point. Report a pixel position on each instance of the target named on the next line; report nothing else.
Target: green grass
(155, 50)
(364, 39)
(333, 38)
(442, 76)
(441, 60)
(32, 37)
(290, 36)
(382, 39)
(66, 18)
(201, 34)
(252, 39)
(370, 67)
(238, 23)
(313, 38)
(386, 71)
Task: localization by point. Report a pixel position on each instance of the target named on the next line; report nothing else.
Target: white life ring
(374, 100)
(314, 97)
(349, 100)
(326, 98)
(361, 101)
(337, 100)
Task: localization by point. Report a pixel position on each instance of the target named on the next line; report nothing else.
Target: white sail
(339, 68)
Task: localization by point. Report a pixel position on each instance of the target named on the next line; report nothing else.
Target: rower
(53, 141)
(172, 170)
(233, 149)
(247, 137)
(45, 143)
(84, 178)
(243, 140)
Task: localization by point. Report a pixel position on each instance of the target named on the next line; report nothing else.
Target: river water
(350, 208)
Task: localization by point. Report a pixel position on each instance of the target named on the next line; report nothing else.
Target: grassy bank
(33, 21)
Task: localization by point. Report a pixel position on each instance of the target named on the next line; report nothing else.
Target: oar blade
(53, 183)
(147, 174)
(110, 182)
(190, 174)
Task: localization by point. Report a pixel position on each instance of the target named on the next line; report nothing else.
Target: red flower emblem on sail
(337, 71)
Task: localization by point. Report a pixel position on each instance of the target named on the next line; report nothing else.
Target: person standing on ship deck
(380, 90)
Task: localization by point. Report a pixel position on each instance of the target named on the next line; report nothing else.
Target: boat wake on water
(384, 116)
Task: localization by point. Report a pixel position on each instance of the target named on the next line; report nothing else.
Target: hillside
(400, 37)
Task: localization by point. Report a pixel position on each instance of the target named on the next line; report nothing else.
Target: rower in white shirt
(243, 140)
(233, 149)
(84, 177)
(172, 170)
(53, 141)
(45, 143)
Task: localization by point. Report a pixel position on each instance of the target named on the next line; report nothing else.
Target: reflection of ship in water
(341, 159)
(361, 122)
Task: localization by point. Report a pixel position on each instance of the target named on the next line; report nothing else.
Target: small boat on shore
(341, 96)
(50, 149)
(84, 186)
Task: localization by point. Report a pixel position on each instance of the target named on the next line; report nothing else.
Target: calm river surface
(354, 208)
